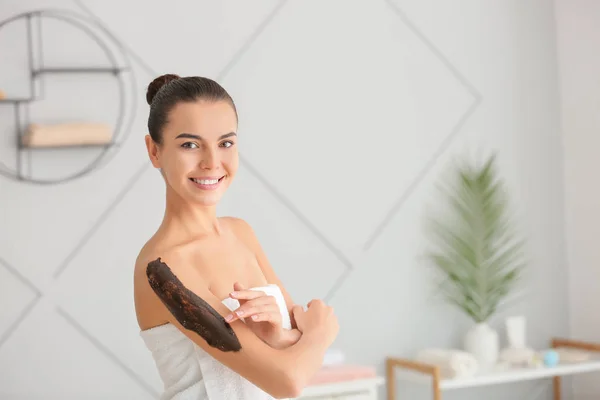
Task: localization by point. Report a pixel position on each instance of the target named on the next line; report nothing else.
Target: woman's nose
(210, 159)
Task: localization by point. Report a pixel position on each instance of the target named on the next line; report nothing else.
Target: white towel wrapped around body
(452, 363)
(188, 372)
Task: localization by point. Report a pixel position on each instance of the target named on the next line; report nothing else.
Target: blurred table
(419, 372)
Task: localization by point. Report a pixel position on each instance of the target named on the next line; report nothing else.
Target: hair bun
(157, 83)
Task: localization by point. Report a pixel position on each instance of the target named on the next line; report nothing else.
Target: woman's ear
(152, 151)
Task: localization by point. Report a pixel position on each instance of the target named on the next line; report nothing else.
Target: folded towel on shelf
(342, 373)
(67, 134)
(567, 355)
(452, 363)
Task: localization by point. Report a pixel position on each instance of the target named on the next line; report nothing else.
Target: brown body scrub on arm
(189, 309)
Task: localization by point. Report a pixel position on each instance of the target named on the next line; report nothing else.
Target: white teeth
(206, 181)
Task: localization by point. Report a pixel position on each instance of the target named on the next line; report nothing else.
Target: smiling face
(198, 154)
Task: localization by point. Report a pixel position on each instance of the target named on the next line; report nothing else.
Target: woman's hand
(318, 319)
(261, 313)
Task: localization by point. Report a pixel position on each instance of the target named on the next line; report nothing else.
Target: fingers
(261, 305)
(316, 303)
(260, 313)
(272, 317)
(296, 308)
(238, 287)
(297, 311)
(299, 314)
(319, 306)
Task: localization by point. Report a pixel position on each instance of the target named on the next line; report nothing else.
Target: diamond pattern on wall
(370, 143)
(212, 32)
(47, 358)
(17, 297)
(447, 140)
(104, 264)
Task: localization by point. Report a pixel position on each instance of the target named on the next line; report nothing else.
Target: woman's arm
(246, 233)
(262, 314)
(200, 316)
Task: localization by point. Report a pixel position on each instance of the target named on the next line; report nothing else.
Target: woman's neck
(189, 220)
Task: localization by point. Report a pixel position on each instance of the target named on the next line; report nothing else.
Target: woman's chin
(206, 199)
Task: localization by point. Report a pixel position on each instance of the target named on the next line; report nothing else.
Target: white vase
(482, 342)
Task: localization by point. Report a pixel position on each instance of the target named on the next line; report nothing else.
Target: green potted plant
(476, 251)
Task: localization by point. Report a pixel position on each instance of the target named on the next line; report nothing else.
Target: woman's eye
(189, 145)
(227, 143)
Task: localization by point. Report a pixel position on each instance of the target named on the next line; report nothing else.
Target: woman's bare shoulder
(147, 253)
(240, 227)
(147, 305)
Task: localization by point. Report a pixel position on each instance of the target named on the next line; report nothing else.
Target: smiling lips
(208, 183)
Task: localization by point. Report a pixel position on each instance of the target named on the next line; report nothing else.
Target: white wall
(371, 98)
(578, 34)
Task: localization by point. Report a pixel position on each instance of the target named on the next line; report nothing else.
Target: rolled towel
(72, 134)
(452, 363)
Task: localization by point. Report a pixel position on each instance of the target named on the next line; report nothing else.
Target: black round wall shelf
(38, 72)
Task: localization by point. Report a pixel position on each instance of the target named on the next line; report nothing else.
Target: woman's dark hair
(168, 90)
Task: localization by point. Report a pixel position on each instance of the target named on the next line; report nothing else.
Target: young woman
(216, 318)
